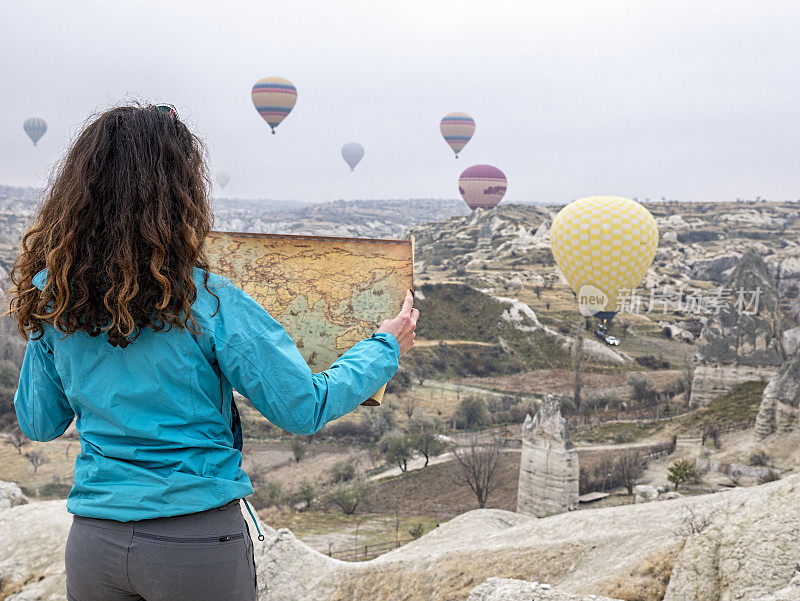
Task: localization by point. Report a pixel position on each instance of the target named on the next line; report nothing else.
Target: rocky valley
(662, 467)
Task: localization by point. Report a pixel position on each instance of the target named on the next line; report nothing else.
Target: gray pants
(206, 556)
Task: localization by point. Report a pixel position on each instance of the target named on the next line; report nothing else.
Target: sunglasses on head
(169, 110)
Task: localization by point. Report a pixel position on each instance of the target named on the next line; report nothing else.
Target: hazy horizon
(692, 101)
(311, 202)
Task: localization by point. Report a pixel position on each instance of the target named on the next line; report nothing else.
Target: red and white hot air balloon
(482, 186)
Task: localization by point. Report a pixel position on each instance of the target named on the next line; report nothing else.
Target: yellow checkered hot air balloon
(603, 246)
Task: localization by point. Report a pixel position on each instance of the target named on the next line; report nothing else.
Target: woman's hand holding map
(402, 327)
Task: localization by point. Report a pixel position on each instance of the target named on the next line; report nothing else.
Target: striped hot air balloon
(457, 129)
(35, 128)
(274, 98)
(482, 186)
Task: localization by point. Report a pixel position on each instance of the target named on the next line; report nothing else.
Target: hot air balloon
(482, 186)
(457, 129)
(352, 153)
(603, 246)
(274, 98)
(35, 128)
(223, 179)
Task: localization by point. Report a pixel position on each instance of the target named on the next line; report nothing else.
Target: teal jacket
(154, 418)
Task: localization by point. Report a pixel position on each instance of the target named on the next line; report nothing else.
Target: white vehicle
(612, 341)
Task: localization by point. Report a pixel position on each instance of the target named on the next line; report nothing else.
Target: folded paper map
(328, 293)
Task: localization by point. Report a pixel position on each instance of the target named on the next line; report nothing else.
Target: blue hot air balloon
(352, 153)
(35, 128)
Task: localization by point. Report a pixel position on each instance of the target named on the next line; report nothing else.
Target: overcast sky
(693, 100)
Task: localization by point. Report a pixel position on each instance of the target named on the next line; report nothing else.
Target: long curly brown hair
(120, 231)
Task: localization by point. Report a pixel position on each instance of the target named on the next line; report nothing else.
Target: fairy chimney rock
(548, 472)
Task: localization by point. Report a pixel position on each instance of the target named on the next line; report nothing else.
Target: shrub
(55, 489)
(361, 432)
(642, 388)
(343, 470)
(399, 383)
(380, 421)
(521, 410)
(422, 422)
(599, 476)
(759, 458)
(416, 530)
(299, 448)
(307, 492)
(257, 428)
(652, 362)
(270, 494)
(647, 582)
(9, 374)
(472, 412)
(675, 387)
(690, 236)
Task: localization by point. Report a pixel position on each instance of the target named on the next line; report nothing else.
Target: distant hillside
(350, 218)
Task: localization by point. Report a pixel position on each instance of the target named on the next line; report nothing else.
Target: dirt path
(466, 389)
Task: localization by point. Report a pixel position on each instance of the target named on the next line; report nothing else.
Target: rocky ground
(742, 544)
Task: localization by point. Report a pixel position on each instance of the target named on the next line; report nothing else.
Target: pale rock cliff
(780, 401)
(743, 343)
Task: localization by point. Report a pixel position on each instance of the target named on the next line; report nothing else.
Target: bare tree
(688, 377)
(476, 466)
(710, 433)
(628, 469)
(422, 371)
(409, 402)
(577, 356)
(17, 440)
(694, 523)
(37, 459)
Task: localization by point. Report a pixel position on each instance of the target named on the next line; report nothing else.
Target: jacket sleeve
(262, 362)
(41, 405)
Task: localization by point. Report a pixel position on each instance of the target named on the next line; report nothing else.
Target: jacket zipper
(173, 539)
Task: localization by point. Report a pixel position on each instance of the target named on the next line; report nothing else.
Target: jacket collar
(40, 279)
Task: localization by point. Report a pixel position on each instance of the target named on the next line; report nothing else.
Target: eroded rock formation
(779, 403)
(548, 472)
(742, 342)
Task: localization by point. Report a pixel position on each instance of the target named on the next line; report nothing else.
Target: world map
(328, 293)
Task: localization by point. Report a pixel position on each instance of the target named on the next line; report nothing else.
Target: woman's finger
(407, 304)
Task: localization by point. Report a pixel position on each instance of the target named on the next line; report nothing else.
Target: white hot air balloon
(352, 153)
(223, 178)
